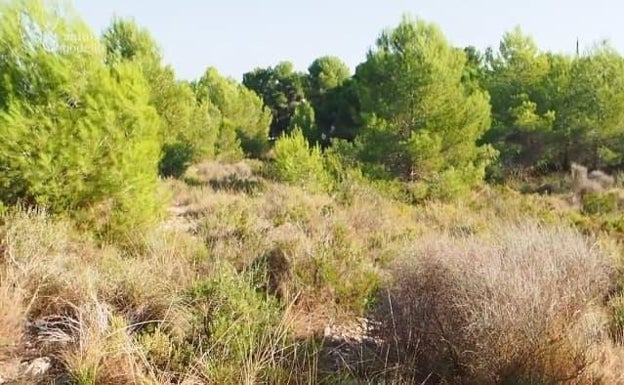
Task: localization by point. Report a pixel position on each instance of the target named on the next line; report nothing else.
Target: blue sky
(236, 36)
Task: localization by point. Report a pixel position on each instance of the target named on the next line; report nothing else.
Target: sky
(236, 36)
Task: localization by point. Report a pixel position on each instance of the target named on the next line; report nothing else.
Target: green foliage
(591, 111)
(242, 326)
(303, 118)
(332, 95)
(341, 161)
(338, 115)
(600, 203)
(228, 146)
(183, 120)
(281, 89)
(523, 99)
(241, 111)
(474, 68)
(325, 74)
(298, 164)
(75, 135)
(342, 267)
(550, 110)
(176, 159)
(415, 104)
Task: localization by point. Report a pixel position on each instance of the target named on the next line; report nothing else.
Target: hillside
(251, 281)
(440, 216)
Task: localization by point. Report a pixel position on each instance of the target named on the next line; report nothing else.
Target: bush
(228, 146)
(175, 160)
(453, 183)
(241, 328)
(474, 312)
(298, 164)
(80, 137)
(339, 272)
(598, 203)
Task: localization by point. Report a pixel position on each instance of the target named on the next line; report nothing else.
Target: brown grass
(239, 284)
(474, 310)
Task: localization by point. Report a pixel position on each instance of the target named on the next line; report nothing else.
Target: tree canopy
(89, 122)
(421, 121)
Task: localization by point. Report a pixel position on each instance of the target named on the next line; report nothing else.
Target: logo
(51, 29)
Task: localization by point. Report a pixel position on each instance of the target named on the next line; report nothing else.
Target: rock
(37, 367)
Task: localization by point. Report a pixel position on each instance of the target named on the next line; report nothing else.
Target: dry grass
(97, 346)
(92, 307)
(239, 283)
(474, 310)
(13, 308)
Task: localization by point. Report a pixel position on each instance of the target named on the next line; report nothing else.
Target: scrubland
(251, 281)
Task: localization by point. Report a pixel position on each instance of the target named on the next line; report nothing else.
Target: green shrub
(339, 272)
(228, 146)
(456, 182)
(597, 203)
(175, 160)
(298, 164)
(242, 329)
(613, 225)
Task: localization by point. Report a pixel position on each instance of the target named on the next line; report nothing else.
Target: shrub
(228, 145)
(453, 183)
(597, 203)
(241, 328)
(335, 272)
(298, 164)
(176, 159)
(472, 311)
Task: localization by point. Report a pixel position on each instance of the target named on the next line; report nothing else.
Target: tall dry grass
(489, 310)
(240, 283)
(109, 316)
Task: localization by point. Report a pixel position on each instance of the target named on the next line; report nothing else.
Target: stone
(37, 367)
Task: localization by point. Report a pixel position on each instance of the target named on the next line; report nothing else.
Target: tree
(299, 164)
(304, 119)
(591, 114)
(523, 114)
(421, 121)
(241, 112)
(332, 96)
(550, 110)
(475, 67)
(187, 127)
(325, 74)
(125, 40)
(281, 90)
(76, 136)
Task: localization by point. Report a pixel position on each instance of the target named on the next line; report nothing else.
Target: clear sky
(236, 36)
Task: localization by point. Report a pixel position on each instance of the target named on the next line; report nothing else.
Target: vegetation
(440, 216)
